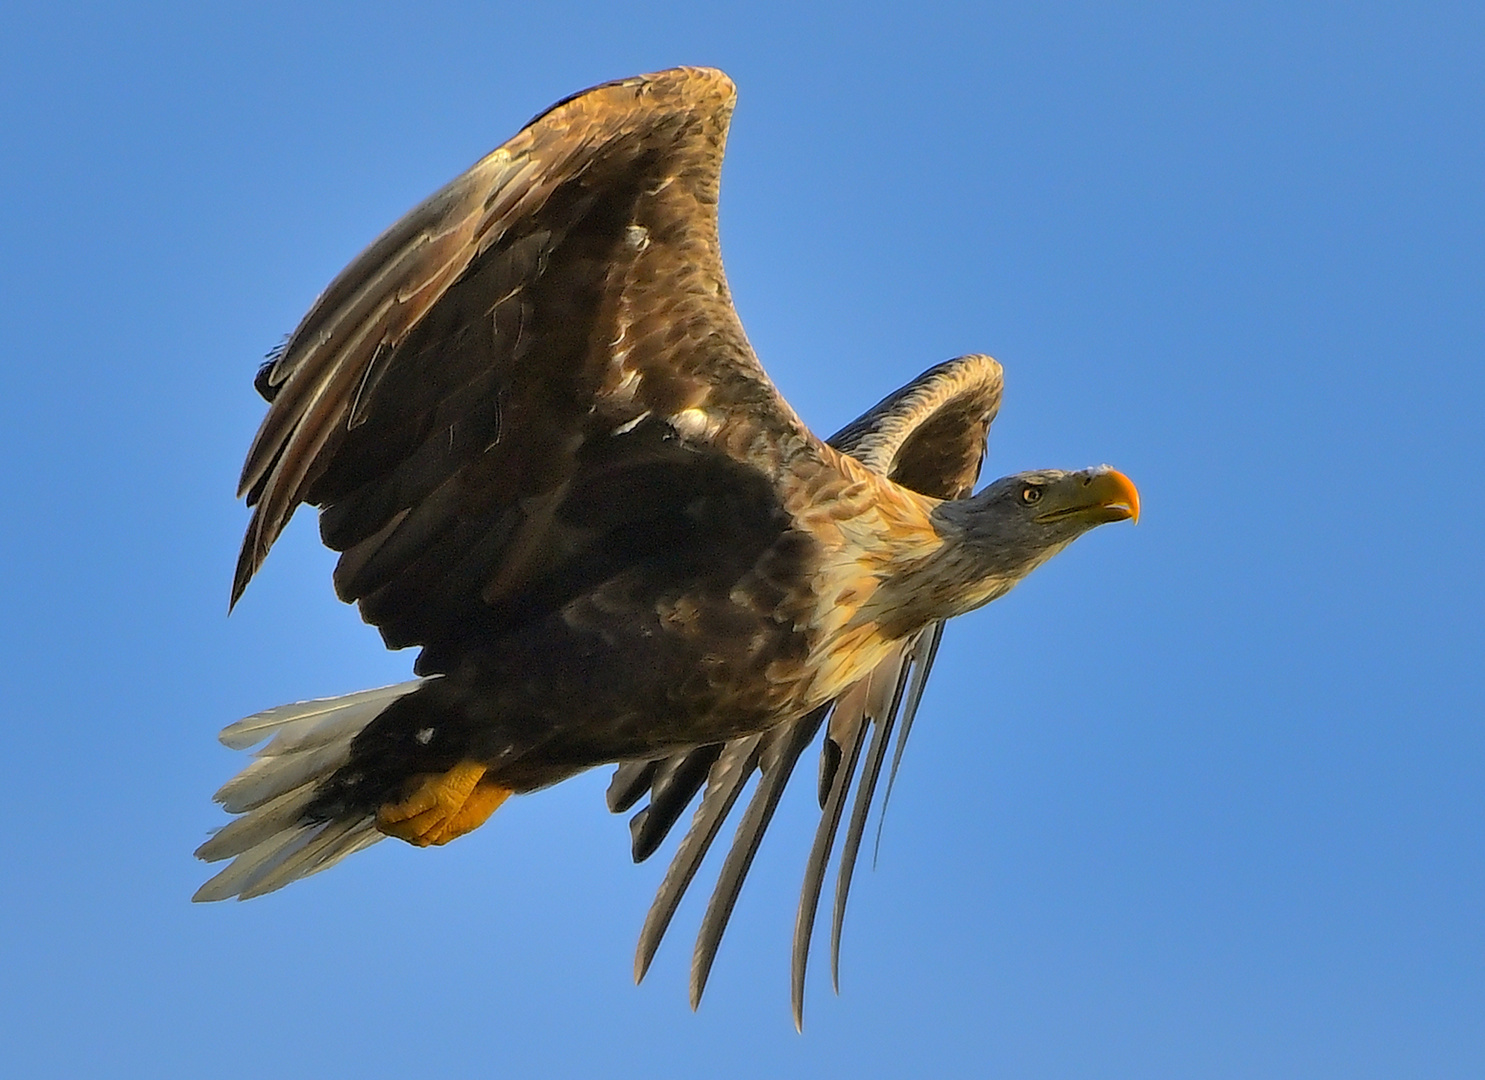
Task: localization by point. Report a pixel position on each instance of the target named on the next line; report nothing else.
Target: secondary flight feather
(537, 435)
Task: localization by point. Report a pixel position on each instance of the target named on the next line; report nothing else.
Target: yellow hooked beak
(1103, 494)
(1118, 494)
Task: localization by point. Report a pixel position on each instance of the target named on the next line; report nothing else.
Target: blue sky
(1201, 798)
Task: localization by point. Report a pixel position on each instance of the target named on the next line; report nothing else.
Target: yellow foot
(444, 806)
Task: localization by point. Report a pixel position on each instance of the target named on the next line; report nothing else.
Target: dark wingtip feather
(631, 779)
(639, 850)
(729, 774)
(814, 873)
(672, 787)
(777, 762)
(865, 789)
(249, 559)
(263, 380)
(829, 762)
(924, 652)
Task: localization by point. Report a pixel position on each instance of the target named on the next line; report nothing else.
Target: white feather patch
(271, 843)
(301, 719)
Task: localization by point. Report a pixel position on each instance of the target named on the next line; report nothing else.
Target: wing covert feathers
(564, 198)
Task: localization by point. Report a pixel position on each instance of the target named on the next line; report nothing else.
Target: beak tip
(1128, 494)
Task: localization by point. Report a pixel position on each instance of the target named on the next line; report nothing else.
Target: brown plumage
(537, 435)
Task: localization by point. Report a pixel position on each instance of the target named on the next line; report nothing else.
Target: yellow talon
(443, 806)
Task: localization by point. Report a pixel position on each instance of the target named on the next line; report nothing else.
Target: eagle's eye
(1030, 493)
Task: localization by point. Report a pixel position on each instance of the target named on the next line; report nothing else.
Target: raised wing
(497, 398)
(930, 436)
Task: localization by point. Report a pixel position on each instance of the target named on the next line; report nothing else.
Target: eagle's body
(549, 458)
(725, 616)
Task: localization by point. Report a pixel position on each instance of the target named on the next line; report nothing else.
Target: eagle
(537, 435)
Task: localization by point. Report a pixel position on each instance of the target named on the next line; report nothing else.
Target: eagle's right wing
(929, 436)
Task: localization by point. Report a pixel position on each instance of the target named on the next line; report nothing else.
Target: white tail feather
(262, 824)
(309, 858)
(297, 722)
(272, 775)
(272, 844)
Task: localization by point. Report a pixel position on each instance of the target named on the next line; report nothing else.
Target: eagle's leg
(443, 806)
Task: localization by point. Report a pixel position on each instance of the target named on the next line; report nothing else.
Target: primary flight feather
(537, 435)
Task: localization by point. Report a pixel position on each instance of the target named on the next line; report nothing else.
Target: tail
(273, 843)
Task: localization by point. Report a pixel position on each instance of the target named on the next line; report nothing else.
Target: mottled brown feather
(512, 291)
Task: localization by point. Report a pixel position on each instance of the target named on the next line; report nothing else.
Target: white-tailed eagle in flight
(537, 435)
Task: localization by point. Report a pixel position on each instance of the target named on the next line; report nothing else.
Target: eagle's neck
(953, 572)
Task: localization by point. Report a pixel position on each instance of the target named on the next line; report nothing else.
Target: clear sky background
(1203, 798)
